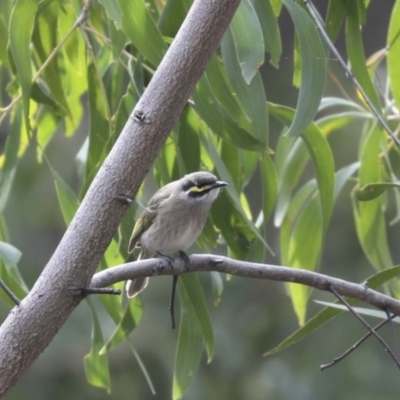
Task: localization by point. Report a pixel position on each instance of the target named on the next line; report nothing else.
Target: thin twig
(357, 344)
(365, 323)
(393, 331)
(349, 72)
(9, 293)
(89, 290)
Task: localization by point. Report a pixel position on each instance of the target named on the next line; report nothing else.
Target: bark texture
(30, 327)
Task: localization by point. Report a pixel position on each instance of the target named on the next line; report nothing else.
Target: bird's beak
(219, 184)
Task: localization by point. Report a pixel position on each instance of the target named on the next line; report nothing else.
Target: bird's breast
(174, 230)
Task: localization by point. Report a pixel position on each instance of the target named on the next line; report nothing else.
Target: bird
(173, 220)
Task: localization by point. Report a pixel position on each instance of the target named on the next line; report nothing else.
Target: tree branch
(31, 326)
(208, 262)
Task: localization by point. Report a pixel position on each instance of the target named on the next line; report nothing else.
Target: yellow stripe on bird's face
(199, 189)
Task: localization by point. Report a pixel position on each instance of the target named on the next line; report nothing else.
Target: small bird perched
(173, 219)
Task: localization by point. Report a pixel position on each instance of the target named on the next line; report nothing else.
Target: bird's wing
(143, 223)
(147, 218)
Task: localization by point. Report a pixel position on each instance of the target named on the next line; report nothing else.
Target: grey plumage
(173, 219)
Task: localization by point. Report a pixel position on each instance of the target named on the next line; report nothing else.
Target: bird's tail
(135, 286)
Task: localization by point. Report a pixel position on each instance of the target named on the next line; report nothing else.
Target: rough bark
(30, 327)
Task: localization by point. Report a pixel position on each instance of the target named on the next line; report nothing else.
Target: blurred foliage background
(74, 120)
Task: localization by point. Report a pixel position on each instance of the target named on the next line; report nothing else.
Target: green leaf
(291, 159)
(368, 215)
(374, 190)
(219, 121)
(188, 140)
(355, 51)
(73, 63)
(299, 200)
(334, 17)
(328, 313)
(248, 40)
(343, 176)
(251, 95)
(8, 160)
(333, 122)
(269, 185)
(13, 281)
(327, 102)
(270, 30)
(142, 31)
(9, 254)
(75, 45)
(369, 312)
(189, 349)
(143, 369)
(312, 56)
(129, 321)
(195, 293)
(113, 11)
(96, 364)
(393, 55)
(321, 155)
(304, 225)
(67, 199)
(3, 43)
(9, 274)
(45, 40)
(304, 252)
(20, 31)
(100, 129)
(173, 14)
(217, 286)
(222, 90)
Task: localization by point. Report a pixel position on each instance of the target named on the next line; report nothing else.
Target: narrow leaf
(359, 310)
(141, 30)
(190, 345)
(269, 185)
(128, 322)
(328, 313)
(195, 293)
(219, 121)
(355, 51)
(96, 364)
(9, 254)
(320, 153)
(312, 57)
(20, 31)
(248, 40)
(368, 215)
(270, 30)
(251, 95)
(393, 55)
(67, 199)
(374, 190)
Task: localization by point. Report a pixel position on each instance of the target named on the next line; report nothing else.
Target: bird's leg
(168, 259)
(185, 258)
(172, 300)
